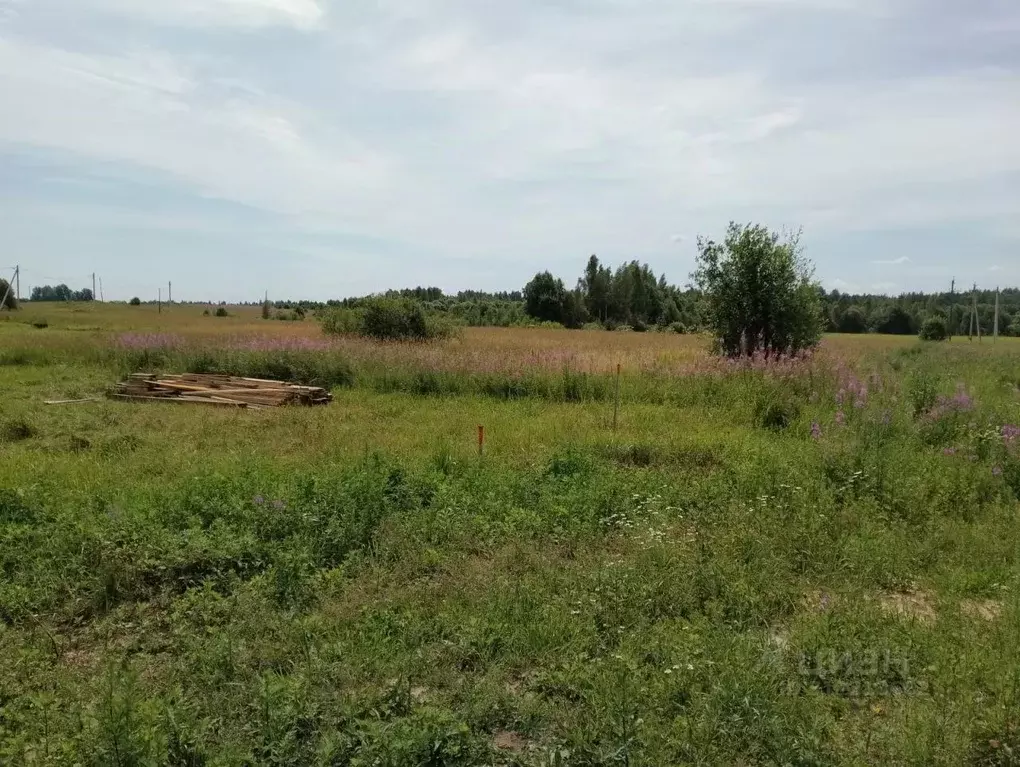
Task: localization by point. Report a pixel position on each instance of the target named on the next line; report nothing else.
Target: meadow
(809, 561)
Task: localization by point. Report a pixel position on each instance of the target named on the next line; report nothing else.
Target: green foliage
(221, 311)
(136, 301)
(934, 329)
(544, 298)
(894, 320)
(7, 298)
(387, 319)
(60, 293)
(267, 309)
(760, 292)
(716, 581)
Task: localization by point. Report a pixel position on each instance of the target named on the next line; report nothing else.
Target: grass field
(809, 562)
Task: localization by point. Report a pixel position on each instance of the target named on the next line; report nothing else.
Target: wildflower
(840, 395)
(996, 471)
(859, 403)
(949, 451)
(886, 418)
(1010, 433)
(279, 505)
(840, 417)
(258, 500)
(816, 431)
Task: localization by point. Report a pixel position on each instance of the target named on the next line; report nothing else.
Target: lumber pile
(222, 390)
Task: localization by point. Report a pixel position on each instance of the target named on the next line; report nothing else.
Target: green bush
(760, 292)
(222, 312)
(387, 319)
(136, 301)
(934, 329)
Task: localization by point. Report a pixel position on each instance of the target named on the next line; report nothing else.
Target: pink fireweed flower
(816, 431)
(149, 341)
(840, 417)
(949, 451)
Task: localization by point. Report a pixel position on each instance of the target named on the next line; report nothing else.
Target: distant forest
(633, 296)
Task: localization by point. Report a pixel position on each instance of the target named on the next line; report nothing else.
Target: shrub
(934, 329)
(387, 319)
(222, 312)
(266, 309)
(136, 301)
(761, 294)
(677, 327)
(41, 324)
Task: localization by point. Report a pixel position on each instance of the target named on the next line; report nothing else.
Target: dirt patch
(420, 694)
(505, 740)
(77, 658)
(819, 600)
(914, 604)
(983, 609)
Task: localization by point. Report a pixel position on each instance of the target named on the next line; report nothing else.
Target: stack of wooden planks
(223, 390)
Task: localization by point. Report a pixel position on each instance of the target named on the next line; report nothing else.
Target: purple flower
(996, 471)
(886, 418)
(949, 451)
(840, 417)
(859, 403)
(258, 500)
(816, 431)
(1010, 433)
(279, 505)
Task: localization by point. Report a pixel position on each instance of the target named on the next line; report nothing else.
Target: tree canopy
(760, 293)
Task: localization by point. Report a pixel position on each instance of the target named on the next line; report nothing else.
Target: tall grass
(816, 562)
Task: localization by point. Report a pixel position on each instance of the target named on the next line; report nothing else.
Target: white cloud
(516, 131)
(303, 14)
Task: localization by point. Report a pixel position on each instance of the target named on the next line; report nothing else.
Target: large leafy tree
(544, 297)
(760, 292)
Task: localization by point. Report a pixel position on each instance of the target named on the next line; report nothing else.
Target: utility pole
(101, 298)
(169, 292)
(93, 286)
(17, 282)
(3, 301)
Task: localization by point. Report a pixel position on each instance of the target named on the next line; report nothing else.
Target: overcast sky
(323, 148)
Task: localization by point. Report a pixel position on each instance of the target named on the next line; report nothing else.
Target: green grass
(354, 585)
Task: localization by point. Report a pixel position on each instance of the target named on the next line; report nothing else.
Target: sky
(327, 148)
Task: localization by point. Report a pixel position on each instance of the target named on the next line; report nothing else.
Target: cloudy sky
(323, 148)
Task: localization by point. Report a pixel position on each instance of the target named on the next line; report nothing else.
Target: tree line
(60, 293)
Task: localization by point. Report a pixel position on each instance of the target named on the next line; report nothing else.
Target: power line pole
(3, 301)
(17, 282)
(93, 286)
(169, 292)
(101, 298)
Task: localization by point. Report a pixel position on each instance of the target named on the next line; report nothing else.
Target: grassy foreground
(807, 563)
